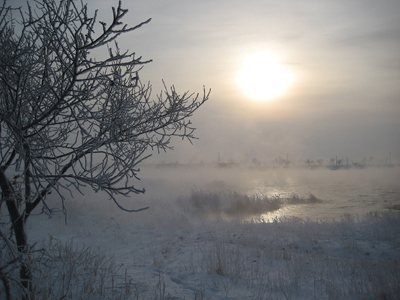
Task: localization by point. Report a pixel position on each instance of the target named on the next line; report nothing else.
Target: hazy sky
(345, 56)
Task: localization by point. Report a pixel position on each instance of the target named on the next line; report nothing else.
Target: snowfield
(179, 250)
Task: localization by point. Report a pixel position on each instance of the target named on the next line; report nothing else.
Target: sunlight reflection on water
(341, 191)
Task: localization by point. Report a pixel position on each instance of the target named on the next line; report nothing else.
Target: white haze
(169, 191)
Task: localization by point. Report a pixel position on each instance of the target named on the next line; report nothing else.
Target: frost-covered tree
(69, 117)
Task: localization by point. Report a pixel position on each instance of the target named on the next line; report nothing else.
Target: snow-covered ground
(176, 250)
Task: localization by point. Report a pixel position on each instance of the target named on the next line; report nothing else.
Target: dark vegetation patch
(234, 204)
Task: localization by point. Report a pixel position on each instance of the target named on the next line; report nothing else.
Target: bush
(237, 205)
(64, 271)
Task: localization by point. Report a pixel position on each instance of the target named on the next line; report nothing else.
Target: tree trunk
(18, 226)
(6, 285)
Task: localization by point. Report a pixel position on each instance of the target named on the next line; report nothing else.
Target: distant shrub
(296, 199)
(234, 204)
(243, 205)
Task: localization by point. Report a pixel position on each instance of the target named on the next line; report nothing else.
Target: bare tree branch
(69, 119)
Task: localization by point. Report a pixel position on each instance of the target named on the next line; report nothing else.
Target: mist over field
(206, 150)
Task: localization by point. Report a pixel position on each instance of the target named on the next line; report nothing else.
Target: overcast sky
(345, 55)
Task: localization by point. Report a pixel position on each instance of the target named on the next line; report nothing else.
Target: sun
(263, 77)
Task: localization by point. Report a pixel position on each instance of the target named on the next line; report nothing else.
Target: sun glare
(263, 77)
